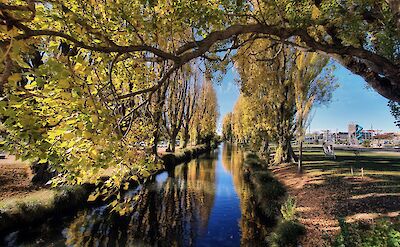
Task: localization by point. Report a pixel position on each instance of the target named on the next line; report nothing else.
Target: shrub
(270, 211)
(384, 233)
(269, 193)
(250, 155)
(261, 177)
(286, 234)
(288, 209)
(272, 190)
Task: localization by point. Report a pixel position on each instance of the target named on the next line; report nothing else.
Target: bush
(261, 177)
(289, 210)
(269, 193)
(38, 205)
(384, 233)
(272, 190)
(267, 190)
(251, 156)
(270, 211)
(286, 234)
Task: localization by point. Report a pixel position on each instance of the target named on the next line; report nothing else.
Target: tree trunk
(185, 137)
(198, 139)
(265, 150)
(281, 153)
(395, 7)
(284, 151)
(158, 115)
(172, 143)
(292, 154)
(208, 142)
(300, 159)
(156, 137)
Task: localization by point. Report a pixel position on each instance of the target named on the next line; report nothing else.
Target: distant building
(365, 134)
(341, 137)
(351, 134)
(349, 137)
(386, 140)
(368, 134)
(313, 138)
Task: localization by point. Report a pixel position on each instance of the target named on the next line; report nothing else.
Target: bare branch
(153, 88)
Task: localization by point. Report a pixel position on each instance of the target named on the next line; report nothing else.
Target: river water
(206, 202)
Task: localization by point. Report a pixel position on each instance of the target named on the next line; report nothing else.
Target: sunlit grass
(379, 165)
(39, 204)
(43, 198)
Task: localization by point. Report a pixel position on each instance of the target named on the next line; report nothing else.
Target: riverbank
(272, 201)
(30, 207)
(170, 160)
(360, 188)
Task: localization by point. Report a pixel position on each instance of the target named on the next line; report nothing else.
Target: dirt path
(322, 199)
(14, 178)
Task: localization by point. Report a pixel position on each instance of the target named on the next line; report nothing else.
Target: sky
(353, 101)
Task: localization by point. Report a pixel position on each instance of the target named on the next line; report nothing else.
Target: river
(206, 202)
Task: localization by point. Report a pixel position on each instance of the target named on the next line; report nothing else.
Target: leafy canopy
(77, 77)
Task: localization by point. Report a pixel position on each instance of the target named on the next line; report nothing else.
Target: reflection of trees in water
(170, 213)
(251, 223)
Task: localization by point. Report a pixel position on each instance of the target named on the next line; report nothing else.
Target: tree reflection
(167, 213)
(172, 210)
(253, 227)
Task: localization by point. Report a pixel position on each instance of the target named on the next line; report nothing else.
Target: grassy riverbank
(272, 200)
(37, 205)
(41, 204)
(360, 188)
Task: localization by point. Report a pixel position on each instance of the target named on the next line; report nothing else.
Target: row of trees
(279, 87)
(186, 106)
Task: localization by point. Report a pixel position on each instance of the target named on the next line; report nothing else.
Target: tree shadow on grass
(374, 195)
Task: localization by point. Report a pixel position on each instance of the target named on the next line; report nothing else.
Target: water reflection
(206, 202)
(253, 227)
(171, 211)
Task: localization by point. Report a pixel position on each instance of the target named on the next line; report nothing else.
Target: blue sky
(351, 102)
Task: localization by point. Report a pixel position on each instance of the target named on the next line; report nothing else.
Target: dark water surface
(206, 202)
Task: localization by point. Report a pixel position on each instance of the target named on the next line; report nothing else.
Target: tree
(363, 35)
(265, 72)
(281, 84)
(227, 127)
(190, 108)
(313, 84)
(205, 119)
(395, 111)
(237, 121)
(156, 109)
(174, 107)
(108, 70)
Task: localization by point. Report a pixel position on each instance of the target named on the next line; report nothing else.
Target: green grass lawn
(379, 165)
(375, 195)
